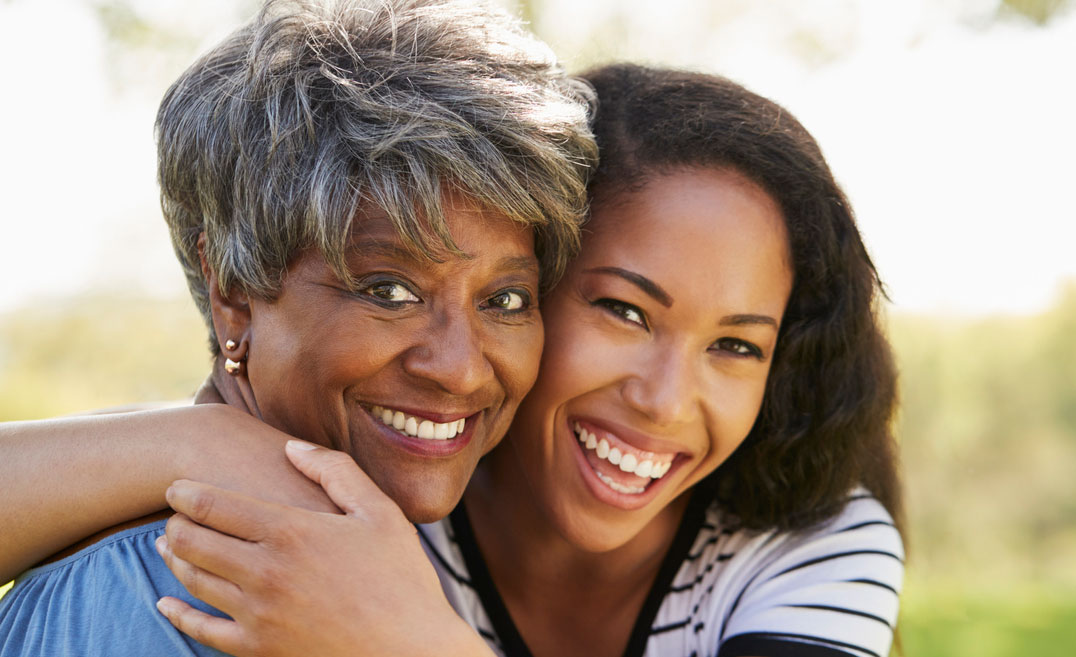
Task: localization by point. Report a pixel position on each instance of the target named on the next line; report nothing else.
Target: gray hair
(277, 138)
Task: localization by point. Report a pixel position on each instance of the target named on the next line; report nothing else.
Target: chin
(594, 535)
(422, 502)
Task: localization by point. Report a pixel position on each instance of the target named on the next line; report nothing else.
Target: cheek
(736, 404)
(516, 356)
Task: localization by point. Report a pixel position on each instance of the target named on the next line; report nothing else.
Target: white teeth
(619, 487)
(603, 448)
(627, 462)
(412, 426)
(615, 456)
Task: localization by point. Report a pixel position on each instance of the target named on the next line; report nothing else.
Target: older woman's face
(392, 371)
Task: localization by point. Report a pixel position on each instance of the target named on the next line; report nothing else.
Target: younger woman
(705, 465)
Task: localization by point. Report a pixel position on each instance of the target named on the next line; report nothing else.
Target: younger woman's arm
(64, 479)
(295, 582)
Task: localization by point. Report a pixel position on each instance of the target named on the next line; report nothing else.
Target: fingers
(344, 482)
(232, 513)
(200, 583)
(220, 633)
(209, 550)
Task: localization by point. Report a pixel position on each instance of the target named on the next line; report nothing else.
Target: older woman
(367, 200)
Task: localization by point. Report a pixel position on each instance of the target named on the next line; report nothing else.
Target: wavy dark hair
(825, 423)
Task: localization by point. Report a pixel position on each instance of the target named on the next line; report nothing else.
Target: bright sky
(954, 142)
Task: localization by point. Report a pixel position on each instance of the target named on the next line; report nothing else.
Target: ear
(231, 311)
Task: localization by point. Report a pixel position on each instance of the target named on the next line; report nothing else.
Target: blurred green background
(988, 373)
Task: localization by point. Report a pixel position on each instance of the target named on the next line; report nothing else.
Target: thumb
(338, 475)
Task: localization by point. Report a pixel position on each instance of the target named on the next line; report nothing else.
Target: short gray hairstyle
(275, 140)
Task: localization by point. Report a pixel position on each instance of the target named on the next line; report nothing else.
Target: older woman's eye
(391, 292)
(739, 347)
(625, 311)
(509, 301)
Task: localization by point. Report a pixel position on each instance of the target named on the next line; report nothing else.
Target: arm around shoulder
(64, 479)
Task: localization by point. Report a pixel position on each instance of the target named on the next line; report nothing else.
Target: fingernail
(161, 544)
(301, 444)
(164, 605)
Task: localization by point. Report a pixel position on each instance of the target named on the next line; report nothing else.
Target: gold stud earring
(230, 345)
(232, 367)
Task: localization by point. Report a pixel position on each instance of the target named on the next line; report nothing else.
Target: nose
(451, 355)
(664, 388)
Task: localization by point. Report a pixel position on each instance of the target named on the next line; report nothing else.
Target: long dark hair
(825, 422)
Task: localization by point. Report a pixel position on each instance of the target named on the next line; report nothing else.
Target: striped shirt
(831, 590)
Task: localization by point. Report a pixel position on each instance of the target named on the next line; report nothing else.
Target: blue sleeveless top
(99, 602)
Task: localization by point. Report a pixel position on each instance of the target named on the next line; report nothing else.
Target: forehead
(480, 233)
(704, 229)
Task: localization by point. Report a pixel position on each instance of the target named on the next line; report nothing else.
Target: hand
(299, 582)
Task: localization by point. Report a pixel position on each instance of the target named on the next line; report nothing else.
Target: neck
(223, 388)
(576, 584)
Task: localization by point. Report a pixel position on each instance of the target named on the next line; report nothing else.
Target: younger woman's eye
(509, 301)
(391, 292)
(739, 348)
(625, 311)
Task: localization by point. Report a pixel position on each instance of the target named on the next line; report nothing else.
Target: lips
(623, 473)
(418, 427)
(628, 459)
(425, 434)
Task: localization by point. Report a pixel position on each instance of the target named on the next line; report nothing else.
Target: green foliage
(988, 441)
(939, 622)
(1039, 12)
(99, 352)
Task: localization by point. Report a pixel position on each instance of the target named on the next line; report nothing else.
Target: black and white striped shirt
(832, 590)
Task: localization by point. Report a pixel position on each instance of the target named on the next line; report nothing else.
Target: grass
(962, 623)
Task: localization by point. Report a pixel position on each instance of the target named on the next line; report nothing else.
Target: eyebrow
(393, 250)
(747, 320)
(662, 297)
(382, 248)
(640, 281)
(519, 263)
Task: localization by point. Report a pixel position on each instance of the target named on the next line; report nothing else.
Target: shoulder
(100, 600)
(451, 548)
(835, 586)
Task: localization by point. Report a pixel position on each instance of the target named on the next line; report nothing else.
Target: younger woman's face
(658, 344)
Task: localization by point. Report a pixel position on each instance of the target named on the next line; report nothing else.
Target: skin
(314, 361)
(319, 357)
(386, 562)
(676, 368)
(678, 378)
(682, 372)
(441, 341)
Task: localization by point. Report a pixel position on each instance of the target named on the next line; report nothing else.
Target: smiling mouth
(619, 466)
(417, 427)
